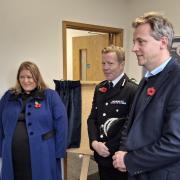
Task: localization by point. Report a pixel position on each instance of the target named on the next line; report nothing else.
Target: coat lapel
(141, 85)
(162, 78)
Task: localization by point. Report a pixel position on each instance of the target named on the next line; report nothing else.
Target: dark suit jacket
(153, 141)
(107, 104)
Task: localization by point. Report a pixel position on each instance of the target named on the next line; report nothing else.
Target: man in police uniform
(111, 105)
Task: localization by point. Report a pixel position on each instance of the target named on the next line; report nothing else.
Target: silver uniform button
(117, 110)
(101, 136)
(106, 103)
(96, 107)
(104, 114)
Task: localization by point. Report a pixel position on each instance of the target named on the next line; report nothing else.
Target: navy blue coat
(153, 142)
(45, 154)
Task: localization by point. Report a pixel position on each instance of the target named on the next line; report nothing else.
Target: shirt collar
(115, 81)
(158, 69)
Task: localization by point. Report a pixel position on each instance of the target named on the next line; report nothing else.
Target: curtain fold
(70, 93)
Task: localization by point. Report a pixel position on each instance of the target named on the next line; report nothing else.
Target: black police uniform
(109, 111)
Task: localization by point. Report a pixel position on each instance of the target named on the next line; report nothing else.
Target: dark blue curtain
(70, 93)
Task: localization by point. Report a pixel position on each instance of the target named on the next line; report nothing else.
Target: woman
(33, 128)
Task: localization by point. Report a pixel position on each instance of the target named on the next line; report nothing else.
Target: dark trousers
(108, 173)
(21, 153)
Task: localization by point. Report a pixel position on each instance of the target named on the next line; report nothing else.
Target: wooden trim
(64, 38)
(90, 27)
(65, 167)
(117, 32)
(90, 82)
(84, 167)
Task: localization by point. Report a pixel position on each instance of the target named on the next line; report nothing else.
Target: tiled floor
(74, 168)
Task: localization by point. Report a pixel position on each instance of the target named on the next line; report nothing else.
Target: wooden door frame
(115, 36)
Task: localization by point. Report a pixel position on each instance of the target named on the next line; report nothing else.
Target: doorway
(87, 56)
(83, 67)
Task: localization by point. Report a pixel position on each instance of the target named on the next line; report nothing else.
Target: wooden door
(87, 57)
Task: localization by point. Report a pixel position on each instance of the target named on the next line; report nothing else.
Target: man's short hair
(118, 50)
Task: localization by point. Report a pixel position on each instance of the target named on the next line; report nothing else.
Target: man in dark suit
(111, 105)
(151, 150)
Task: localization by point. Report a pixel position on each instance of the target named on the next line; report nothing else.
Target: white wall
(32, 30)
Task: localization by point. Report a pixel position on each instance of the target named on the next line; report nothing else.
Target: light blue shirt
(157, 70)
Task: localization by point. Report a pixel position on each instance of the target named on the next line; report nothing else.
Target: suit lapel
(162, 78)
(141, 85)
(159, 82)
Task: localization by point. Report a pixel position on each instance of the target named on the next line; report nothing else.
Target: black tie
(110, 84)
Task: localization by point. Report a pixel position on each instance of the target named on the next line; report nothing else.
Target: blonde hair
(34, 70)
(118, 50)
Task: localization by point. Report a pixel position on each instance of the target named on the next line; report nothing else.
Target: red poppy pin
(37, 104)
(103, 89)
(151, 91)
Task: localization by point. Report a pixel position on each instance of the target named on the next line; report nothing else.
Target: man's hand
(118, 161)
(100, 148)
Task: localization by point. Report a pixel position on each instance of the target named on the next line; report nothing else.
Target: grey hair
(160, 26)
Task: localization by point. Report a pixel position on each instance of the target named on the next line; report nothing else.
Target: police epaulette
(133, 81)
